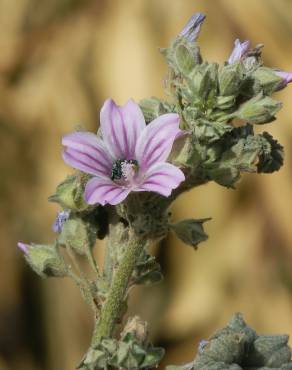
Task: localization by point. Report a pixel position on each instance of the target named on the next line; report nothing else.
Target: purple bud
(23, 247)
(192, 28)
(61, 218)
(239, 51)
(287, 78)
(202, 345)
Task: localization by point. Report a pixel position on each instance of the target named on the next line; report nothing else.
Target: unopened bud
(230, 78)
(78, 235)
(268, 80)
(69, 194)
(258, 110)
(45, 260)
(192, 28)
(239, 51)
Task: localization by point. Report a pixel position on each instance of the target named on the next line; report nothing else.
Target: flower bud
(286, 77)
(258, 110)
(225, 102)
(69, 194)
(239, 51)
(202, 81)
(61, 218)
(184, 59)
(78, 235)
(191, 231)
(153, 108)
(268, 80)
(230, 78)
(192, 28)
(45, 260)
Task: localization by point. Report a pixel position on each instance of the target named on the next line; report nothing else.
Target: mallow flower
(130, 156)
(192, 28)
(239, 51)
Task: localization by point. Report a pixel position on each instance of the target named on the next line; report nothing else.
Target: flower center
(124, 170)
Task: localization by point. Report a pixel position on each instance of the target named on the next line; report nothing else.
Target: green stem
(111, 309)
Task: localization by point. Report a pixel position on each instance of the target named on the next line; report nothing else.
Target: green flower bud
(268, 80)
(182, 55)
(153, 108)
(225, 102)
(202, 81)
(259, 110)
(69, 194)
(184, 59)
(78, 235)
(184, 153)
(45, 260)
(191, 231)
(271, 351)
(230, 78)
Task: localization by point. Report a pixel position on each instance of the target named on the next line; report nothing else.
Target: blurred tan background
(59, 60)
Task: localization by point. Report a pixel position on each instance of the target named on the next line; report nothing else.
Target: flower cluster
(157, 150)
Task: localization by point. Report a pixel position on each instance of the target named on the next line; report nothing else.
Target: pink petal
(86, 152)
(155, 142)
(121, 127)
(104, 191)
(162, 178)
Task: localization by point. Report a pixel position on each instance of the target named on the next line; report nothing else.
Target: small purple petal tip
(239, 51)
(192, 28)
(286, 78)
(61, 218)
(23, 247)
(202, 345)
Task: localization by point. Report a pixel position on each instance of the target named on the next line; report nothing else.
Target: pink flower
(239, 51)
(130, 156)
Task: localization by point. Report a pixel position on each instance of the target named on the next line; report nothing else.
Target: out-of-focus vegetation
(59, 60)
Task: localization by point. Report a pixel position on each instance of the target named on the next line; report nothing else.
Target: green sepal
(147, 270)
(78, 234)
(259, 110)
(267, 79)
(230, 79)
(70, 193)
(154, 107)
(271, 154)
(46, 260)
(191, 231)
(184, 59)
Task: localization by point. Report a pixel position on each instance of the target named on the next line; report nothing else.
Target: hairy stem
(113, 305)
